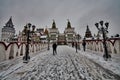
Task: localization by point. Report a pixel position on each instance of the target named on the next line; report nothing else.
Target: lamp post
(78, 41)
(48, 42)
(26, 58)
(76, 46)
(47, 38)
(104, 31)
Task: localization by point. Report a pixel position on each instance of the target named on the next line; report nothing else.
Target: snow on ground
(66, 65)
(112, 64)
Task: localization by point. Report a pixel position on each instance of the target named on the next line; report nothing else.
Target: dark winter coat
(54, 46)
(84, 43)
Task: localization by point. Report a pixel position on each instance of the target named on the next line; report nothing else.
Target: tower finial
(88, 33)
(68, 24)
(11, 17)
(53, 24)
(68, 20)
(10, 23)
(53, 20)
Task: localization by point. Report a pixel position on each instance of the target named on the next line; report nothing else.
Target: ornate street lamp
(104, 31)
(26, 58)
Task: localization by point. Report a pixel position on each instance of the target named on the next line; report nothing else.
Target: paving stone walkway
(66, 65)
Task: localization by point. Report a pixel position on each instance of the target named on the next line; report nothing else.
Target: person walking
(84, 45)
(54, 48)
(76, 46)
(72, 44)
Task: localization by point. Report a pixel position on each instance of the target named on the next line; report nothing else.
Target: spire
(53, 24)
(10, 23)
(46, 31)
(68, 24)
(88, 32)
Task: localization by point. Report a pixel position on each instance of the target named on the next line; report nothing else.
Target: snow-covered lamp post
(104, 31)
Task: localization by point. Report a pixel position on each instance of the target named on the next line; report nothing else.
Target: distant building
(88, 33)
(44, 36)
(53, 32)
(40, 31)
(61, 39)
(8, 31)
(69, 33)
(22, 37)
(51, 35)
(38, 35)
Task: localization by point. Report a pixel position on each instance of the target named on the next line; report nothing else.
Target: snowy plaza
(59, 39)
(65, 65)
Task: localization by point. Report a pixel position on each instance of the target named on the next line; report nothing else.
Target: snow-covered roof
(44, 36)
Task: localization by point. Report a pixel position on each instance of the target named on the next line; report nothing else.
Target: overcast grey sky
(80, 13)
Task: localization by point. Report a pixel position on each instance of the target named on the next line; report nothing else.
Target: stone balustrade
(14, 49)
(113, 45)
